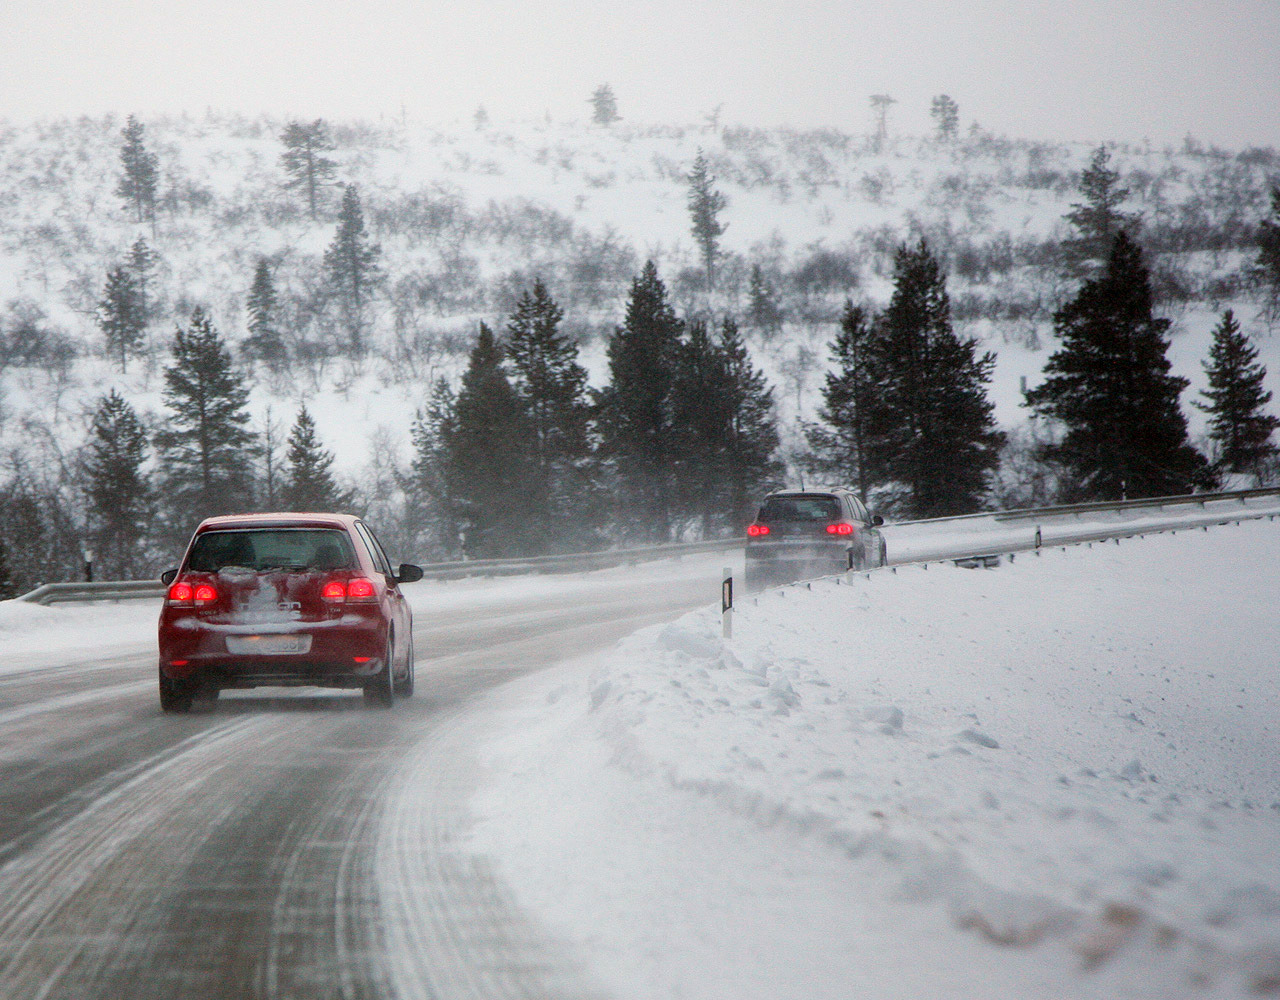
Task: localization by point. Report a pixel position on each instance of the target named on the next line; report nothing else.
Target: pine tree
(142, 262)
(120, 315)
(724, 431)
(750, 466)
(433, 524)
(120, 499)
(839, 440)
(351, 269)
(705, 206)
(304, 161)
(762, 305)
(1098, 219)
(1267, 269)
(488, 458)
(310, 485)
(880, 104)
(137, 184)
(701, 414)
(1109, 387)
(635, 408)
(264, 342)
(206, 450)
(7, 589)
(1239, 428)
(930, 436)
(551, 385)
(946, 118)
(604, 106)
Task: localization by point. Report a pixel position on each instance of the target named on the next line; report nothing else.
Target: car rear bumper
(344, 653)
(778, 562)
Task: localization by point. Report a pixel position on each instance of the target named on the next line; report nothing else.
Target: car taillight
(756, 530)
(361, 590)
(840, 529)
(181, 594)
(335, 592)
(205, 594)
(356, 591)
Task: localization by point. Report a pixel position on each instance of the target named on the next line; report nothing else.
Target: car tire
(176, 695)
(884, 553)
(856, 560)
(404, 688)
(380, 691)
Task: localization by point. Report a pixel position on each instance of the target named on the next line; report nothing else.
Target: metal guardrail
(57, 593)
(984, 545)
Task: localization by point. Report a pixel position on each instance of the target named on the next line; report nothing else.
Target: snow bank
(32, 635)
(1054, 778)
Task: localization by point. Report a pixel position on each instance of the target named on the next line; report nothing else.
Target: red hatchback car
(285, 599)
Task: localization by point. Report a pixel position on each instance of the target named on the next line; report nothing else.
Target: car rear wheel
(380, 690)
(176, 695)
(404, 688)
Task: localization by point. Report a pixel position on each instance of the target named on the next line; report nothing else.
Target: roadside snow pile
(1058, 777)
(32, 635)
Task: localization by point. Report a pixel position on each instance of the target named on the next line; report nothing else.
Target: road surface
(283, 844)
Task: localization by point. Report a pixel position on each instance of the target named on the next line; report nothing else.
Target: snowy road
(298, 846)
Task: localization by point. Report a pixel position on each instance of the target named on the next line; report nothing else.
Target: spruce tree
(309, 483)
(7, 589)
(637, 434)
(304, 161)
(264, 342)
(1267, 268)
(352, 271)
(137, 185)
(1238, 427)
(705, 206)
(839, 439)
(120, 315)
(118, 490)
(488, 463)
(142, 262)
(946, 118)
(752, 435)
(206, 448)
(604, 106)
(701, 415)
(1098, 219)
(433, 524)
(551, 385)
(762, 306)
(930, 437)
(1109, 387)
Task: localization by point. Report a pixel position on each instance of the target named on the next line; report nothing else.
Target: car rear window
(272, 548)
(800, 508)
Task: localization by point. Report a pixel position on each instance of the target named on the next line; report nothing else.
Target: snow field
(1054, 778)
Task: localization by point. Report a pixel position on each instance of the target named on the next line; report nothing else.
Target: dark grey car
(801, 534)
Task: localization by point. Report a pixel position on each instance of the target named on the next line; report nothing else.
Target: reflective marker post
(726, 602)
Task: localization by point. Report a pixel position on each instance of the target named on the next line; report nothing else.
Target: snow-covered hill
(467, 217)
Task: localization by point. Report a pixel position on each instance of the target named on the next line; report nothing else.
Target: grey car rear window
(272, 548)
(800, 508)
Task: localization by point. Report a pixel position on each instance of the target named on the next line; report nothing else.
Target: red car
(285, 599)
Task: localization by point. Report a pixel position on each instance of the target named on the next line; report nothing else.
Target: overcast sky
(1090, 70)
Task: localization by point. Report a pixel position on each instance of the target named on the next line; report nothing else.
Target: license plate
(266, 645)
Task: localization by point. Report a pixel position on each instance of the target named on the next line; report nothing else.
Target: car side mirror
(876, 520)
(409, 573)
(167, 577)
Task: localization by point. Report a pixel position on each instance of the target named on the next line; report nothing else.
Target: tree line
(521, 456)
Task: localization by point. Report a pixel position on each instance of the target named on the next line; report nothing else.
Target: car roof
(282, 519)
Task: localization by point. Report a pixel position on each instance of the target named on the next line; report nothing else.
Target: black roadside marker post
(726, 602)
